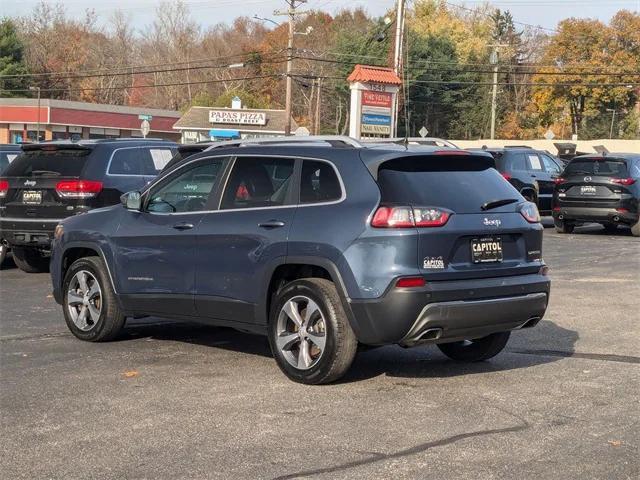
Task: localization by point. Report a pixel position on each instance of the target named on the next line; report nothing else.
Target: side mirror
(131, 201)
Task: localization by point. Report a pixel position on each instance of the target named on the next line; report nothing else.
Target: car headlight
(57, 233)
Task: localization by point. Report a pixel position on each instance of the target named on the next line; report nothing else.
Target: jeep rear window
(456, 183)
(63, 163)
(597, 166)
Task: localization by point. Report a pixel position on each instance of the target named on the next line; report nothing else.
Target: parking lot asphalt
(171, 400)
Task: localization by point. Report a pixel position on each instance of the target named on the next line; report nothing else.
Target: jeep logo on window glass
(493, 222)
(30, 183)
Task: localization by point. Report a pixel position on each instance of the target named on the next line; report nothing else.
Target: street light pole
(397, 58)
(38, 127)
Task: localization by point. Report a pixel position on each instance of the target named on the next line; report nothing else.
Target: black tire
(635, 229)
(340, 341)
(476, 350)
(111, 319)
(562, 226)
(610, 227)
(3, 253)
(30, 260)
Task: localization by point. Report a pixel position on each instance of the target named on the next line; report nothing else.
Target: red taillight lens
(506, 176)
(430, 217)
(559, 180)
(393, 217)
(556, 209)
(622, 210)
(406, 217)
(411, 282)
(530, 212)
(4, 188)
(624, 181)
(78, 188)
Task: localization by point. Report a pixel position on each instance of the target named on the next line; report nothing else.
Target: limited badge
(433, 263)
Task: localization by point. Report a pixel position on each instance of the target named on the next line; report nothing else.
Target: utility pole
(316, 127)
(397, 57)
(291, 13)
(494, 92)
(613, 118)
(38, 131)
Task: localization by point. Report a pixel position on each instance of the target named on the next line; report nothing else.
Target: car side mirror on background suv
(131, 200)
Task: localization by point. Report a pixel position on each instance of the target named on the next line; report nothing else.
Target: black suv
(532, 172)
(50, 181)
(320, 244)
(602, 188)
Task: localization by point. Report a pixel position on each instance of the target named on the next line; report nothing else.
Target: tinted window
(517, 161)
(549, 165)
(535, 164)
(187, 192)
(6, 158)
(139, 161)
(258, 182)
(64, 163)
(597, 166)
(319, 183)
(451, 183)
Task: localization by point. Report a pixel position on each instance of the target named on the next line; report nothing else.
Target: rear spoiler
(30, 147)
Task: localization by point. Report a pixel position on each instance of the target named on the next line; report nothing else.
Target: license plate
(32, 197)
(587, 190)
(486, 250)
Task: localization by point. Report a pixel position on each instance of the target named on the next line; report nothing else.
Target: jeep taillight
(4, 188)
(406, 217)
(78, 188)
(530, 212)
(624, 181)
(559, 181)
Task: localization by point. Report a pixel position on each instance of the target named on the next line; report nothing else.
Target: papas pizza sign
(237, 117)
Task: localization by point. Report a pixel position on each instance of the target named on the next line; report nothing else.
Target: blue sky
(545, 13)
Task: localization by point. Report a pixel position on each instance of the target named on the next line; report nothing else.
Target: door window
(550, 165)
(319, 183)
(258, 183)
(187, 192)
(535, 165)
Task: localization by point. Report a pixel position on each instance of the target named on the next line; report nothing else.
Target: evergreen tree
(11, 61)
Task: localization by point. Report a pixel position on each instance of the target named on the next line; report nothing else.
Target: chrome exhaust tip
(560, 217)
(616, 218)
(430, 334)
(532, 322)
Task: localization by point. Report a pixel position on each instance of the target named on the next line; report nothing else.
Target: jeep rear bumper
(27, 232)
(448, 311)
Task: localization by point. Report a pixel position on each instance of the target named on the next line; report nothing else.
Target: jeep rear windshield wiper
(44, 172)
(497, 203)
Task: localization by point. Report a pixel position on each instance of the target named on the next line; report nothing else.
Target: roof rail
(518, 146)
(131, 139)
(336, 141)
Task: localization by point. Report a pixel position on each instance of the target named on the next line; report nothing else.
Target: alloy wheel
(301, 332)
(84, 300)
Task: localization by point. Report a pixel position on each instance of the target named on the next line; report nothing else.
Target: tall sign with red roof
(373, 95)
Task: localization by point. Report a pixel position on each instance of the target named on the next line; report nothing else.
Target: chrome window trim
(342, 198)
(133, 174)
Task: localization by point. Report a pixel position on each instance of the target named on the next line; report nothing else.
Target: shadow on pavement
(526, 348)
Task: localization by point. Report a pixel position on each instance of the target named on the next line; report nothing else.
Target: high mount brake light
(624, 181)
(530, 212)
(406, 217)
(78, 188)
(451, 152)
(4, 188)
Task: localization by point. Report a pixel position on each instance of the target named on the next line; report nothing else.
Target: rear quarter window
(450, 183)
(61, 162)
(139, 161)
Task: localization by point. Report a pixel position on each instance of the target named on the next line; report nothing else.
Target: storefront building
(61, 119)
(213, 123)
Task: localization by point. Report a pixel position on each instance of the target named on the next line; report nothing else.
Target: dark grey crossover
(50, 181)
(318, 243)
(602, 189)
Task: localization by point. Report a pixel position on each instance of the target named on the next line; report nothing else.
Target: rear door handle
(271, 224)
(183, 226)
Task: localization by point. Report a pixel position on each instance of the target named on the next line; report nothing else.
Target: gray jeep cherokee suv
(320, 244)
